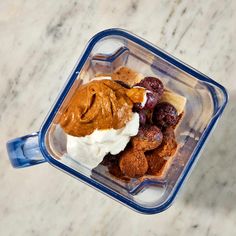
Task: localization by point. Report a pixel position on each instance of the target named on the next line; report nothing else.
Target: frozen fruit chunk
(148, 138)
(169, 145)
(174, 99)
(154, 93)
(142, 117)
(165, 115)
(155, 162)
(152, 84)
(151, 101)
(160, 157)
(133, 163)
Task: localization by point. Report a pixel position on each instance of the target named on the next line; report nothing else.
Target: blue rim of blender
(172, 60)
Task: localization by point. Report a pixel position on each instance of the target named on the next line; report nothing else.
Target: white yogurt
(91, 149)
(145, 95)
(144, 99)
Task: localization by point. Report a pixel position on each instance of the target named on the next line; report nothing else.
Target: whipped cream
(91, 149)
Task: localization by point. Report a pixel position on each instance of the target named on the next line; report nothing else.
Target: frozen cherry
(152, 99)
(152, 84)
(165, 115)
(142, 117)
(155, 162)
(155, 90)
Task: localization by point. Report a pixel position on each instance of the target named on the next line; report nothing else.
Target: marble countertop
(40, 42)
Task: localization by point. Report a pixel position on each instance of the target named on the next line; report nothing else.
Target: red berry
(153, 84)
(142, 117)
(152, 99)
(165, 115)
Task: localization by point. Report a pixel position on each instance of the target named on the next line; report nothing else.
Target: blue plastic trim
(25, 151)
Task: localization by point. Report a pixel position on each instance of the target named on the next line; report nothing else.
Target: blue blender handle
(25, 151)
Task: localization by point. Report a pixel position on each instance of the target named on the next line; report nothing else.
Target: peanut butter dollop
(99, 104)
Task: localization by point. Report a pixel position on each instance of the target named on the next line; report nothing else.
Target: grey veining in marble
(40, 42)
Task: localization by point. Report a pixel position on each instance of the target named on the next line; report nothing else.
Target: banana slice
(174, 99)
(127, 75)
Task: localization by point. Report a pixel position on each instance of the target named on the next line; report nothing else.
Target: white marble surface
(39, 44)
